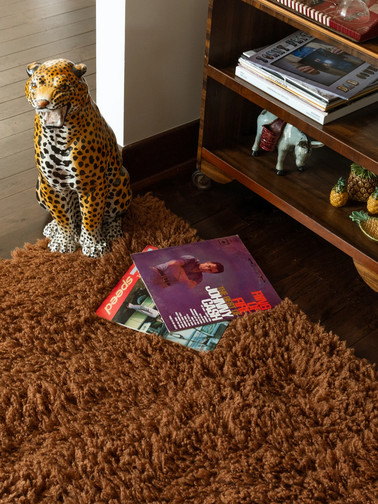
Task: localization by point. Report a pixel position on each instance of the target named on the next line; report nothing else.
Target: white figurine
(290, 138)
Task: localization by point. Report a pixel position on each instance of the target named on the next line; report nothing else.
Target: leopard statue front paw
(61, 240)
(93, 245)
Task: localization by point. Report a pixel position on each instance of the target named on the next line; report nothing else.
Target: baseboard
(157, 157)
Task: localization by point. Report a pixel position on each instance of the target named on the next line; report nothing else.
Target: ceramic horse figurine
(273, 133)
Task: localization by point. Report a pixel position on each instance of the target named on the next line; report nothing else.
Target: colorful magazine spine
(302, 106)
(282, 94)
(118, 296)
(281, 84)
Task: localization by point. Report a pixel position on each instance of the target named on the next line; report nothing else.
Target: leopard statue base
(81, 179)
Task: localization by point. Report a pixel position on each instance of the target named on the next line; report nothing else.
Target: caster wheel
(200, 180)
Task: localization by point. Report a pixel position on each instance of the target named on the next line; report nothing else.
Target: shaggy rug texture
(91, 412)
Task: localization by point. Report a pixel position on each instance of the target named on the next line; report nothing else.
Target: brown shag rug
(91, 412)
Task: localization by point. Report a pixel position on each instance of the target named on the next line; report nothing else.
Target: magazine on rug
(318, 63)
(130, 305)
(205, 282)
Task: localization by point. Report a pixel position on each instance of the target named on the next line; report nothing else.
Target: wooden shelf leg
(214, 172)
(368, 276)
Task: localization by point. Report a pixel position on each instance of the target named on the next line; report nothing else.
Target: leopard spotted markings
(81, 179)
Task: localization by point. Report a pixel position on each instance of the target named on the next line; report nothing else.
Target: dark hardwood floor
(33, 30)
(300, 265)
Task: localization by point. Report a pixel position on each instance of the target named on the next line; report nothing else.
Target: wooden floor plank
(17, 14)
(13, 107)
(24, 226)
(17, 163)
(11, 145)
(32, 27)
(45, 52)
(22, 219)
(31, 31)
(45, 37)
(18, 183)
(11, 211)
(16, 124)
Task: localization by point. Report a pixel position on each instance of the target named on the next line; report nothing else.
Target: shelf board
(353, 136)
(366, 50)
(302, 195)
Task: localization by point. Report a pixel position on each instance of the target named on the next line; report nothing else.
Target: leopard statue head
(56, 89)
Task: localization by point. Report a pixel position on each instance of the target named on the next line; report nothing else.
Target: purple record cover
(205, 282)
(130, 305)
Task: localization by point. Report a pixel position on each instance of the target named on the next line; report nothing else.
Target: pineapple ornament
(367, 224)
(361, 183)
(339, 194)
(372, 202)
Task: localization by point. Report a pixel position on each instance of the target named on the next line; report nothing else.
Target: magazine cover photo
(318, 63)
(139, 312)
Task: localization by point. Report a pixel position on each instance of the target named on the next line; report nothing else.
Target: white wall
(159, 52)
(110, 63)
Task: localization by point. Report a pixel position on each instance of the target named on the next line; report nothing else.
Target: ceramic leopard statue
(81, 179)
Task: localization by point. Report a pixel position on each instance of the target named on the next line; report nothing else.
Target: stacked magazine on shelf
(188, 294)
(319, 80)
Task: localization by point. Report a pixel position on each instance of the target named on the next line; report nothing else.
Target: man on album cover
(185, 271)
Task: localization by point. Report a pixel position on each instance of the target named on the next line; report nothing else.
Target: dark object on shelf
(270, 134)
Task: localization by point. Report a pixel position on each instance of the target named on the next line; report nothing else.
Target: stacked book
(358, 22)
(311, 76)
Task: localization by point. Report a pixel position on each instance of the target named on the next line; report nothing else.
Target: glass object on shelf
(354, 11)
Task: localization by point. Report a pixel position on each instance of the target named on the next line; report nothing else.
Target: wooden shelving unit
(229, 111)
